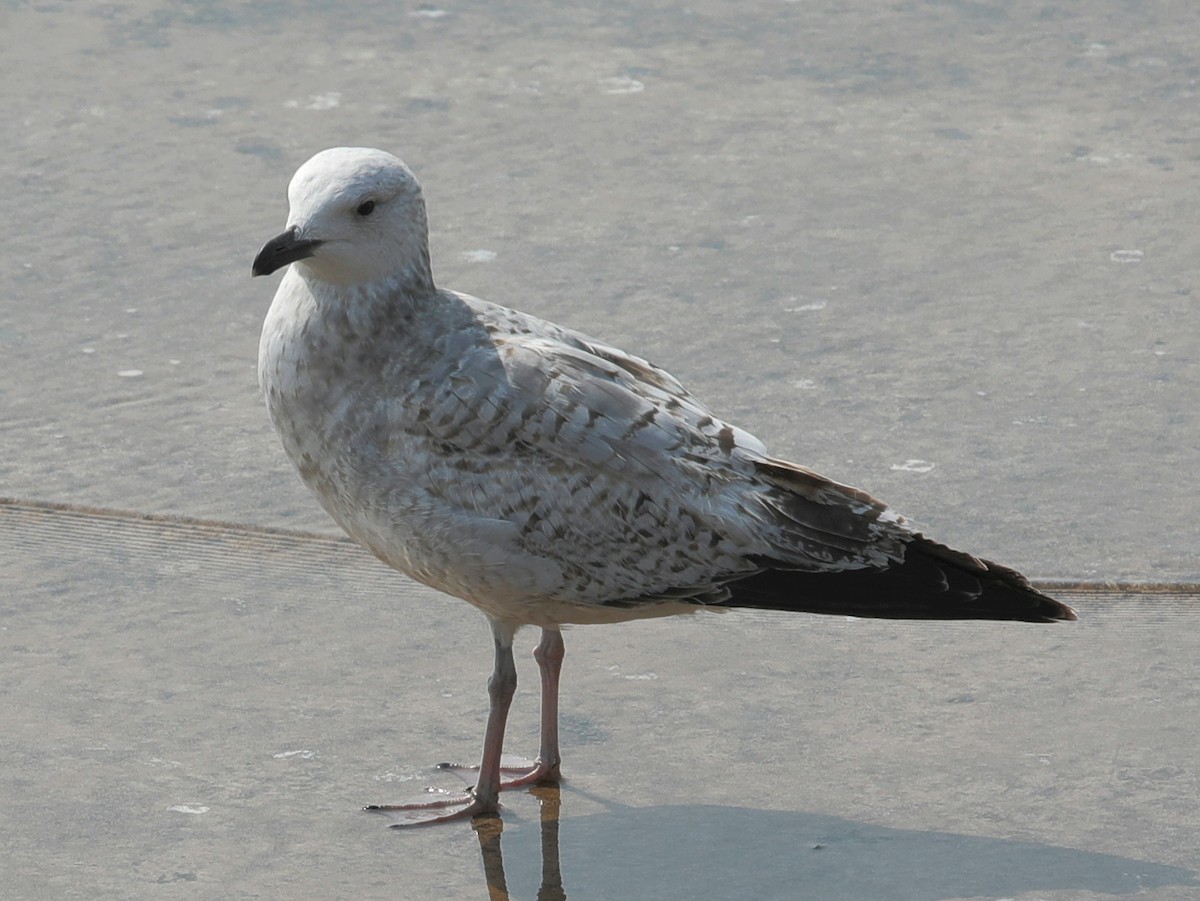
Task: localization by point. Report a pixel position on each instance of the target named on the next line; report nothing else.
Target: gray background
(959, 233)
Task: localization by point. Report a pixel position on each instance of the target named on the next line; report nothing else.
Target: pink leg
(549, 656)
(501, 688)
(484, 798)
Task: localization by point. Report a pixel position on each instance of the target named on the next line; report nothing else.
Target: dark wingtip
(931, 582)
(1068, 615)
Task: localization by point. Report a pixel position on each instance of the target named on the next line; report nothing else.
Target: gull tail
(931, 582)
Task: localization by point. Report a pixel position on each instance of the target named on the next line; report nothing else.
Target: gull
(546, 477)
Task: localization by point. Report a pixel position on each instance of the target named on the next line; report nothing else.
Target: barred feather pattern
(540, 474)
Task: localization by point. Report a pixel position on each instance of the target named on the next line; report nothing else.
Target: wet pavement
(208, 707)
(944, 251)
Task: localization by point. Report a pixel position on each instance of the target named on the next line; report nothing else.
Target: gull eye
(365, 208)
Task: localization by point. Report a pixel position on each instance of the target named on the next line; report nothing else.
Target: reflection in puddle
(707, 851)
(489, 829)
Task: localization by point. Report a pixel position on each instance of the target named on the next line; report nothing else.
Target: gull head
(357, 217)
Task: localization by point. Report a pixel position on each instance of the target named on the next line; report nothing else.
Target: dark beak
(281, 250)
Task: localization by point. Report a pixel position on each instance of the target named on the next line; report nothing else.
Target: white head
(357, 217)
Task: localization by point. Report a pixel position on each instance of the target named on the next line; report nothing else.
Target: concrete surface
(941, 250)
(192, 710)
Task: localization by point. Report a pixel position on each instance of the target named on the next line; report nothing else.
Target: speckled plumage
(541, 475)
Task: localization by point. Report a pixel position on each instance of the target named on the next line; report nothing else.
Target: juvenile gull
(543, 476)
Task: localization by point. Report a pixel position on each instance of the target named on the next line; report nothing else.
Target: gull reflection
(489, 829)
(708, 851)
